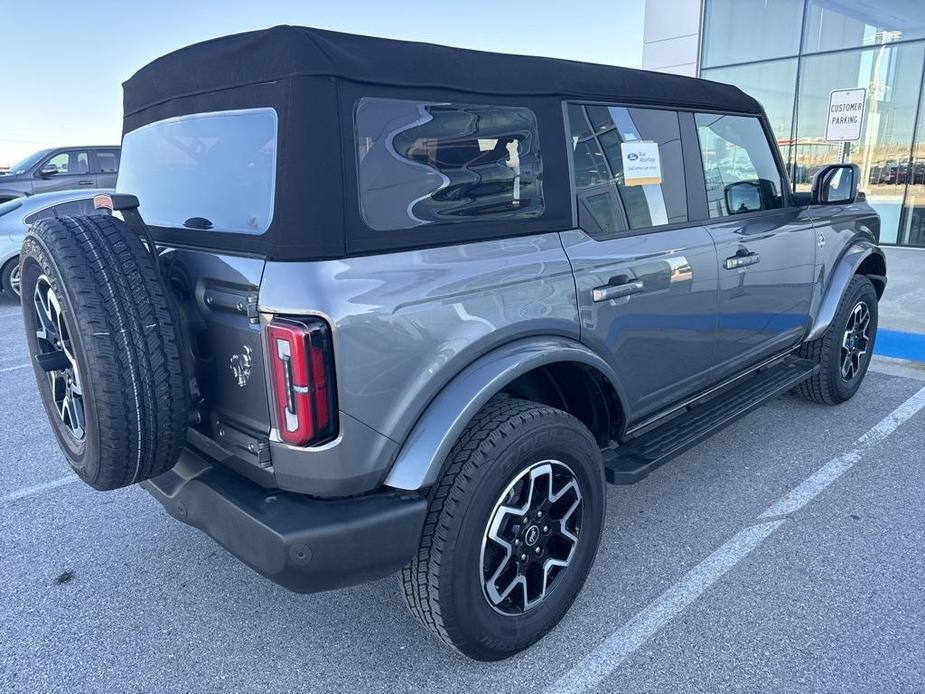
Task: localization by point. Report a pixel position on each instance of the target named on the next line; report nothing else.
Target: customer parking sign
(845, 115)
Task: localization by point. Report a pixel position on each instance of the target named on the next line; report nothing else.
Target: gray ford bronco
(369, 306)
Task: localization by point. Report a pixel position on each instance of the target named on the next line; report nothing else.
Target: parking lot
(712, 575)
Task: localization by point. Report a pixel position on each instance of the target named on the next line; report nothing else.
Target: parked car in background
(62, 168)
(16, 216)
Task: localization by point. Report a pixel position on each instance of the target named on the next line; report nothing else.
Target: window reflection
(891, 75)
(606, 203)
(772, 83)
(834, 24)
(912, 225)
(741, 31)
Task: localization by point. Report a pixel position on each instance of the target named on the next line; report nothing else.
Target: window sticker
(641, 163)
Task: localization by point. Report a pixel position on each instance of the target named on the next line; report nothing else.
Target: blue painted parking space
(900, 345)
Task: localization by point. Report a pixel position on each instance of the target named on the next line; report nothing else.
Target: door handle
(616, 291)
(741, 260)
(85, 183)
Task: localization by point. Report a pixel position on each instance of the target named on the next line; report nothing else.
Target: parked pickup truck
(379, 306)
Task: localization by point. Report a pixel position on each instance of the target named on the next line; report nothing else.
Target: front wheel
(512, 531)
(11, 280)
(845, 350)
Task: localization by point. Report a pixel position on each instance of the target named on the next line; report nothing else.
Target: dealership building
(809, 62)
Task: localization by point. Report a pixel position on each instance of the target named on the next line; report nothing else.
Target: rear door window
(107, 161)
(738, 165)
(628, 167)
(428, 162)
(73, 163)
(206, 171)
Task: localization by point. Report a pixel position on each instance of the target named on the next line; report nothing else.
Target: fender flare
(421, 456)
(845, 268)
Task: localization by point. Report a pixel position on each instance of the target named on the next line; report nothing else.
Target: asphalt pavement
(783, 555)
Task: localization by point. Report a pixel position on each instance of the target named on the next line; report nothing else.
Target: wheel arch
(554, 370)
(861, 257)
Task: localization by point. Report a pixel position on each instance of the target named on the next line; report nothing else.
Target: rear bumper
(303, 544)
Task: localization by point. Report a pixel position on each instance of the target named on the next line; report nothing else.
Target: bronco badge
(241, 366)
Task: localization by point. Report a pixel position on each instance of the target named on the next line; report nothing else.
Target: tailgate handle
(616, 291)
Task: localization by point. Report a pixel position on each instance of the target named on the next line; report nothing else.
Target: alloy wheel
(16, 280)
(56, 358)
(856, 341)
(531, 537)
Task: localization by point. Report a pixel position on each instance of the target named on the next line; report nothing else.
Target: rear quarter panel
(405, 323)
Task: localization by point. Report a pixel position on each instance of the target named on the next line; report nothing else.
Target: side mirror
(743, 196)
(48, 170)
(836, 184)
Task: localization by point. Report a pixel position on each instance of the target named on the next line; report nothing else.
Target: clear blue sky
(65, 61)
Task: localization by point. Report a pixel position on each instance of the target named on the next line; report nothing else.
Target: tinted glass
(773, 84)
(892, 77)
(205, 171)
(107, 161)
(834, 24)
(423, 163)
(741, 31)
(74, 163)
(738, 165)
(602, 138)
(912, 226)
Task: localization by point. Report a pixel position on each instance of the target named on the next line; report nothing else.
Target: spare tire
(106, 347)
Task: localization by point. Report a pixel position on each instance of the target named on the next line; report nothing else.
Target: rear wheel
(512, 531)
(106, 352)
(845, 350)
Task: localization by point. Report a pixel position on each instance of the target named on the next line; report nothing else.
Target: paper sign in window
(641, 163)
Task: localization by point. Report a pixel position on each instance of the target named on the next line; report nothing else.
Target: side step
(641, 454)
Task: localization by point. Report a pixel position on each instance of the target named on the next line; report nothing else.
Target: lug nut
(517, 543)
(539, 514)
(523, 557)
(537, 550)
(526, 520)
(545, 528)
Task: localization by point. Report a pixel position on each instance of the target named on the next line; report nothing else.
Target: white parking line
(38, 489)
(13, 368)
(596, 666)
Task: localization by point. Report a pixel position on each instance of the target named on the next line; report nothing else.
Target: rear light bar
(302, 366)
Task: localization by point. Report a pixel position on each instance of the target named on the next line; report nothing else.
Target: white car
(16, 216)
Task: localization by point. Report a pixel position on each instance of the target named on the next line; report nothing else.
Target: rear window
(430, 162)
(207, 171)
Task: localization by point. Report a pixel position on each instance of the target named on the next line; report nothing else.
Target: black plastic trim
(303, 544)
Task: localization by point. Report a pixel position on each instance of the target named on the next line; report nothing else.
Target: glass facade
(794, 53)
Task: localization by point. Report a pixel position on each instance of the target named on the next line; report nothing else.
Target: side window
(41, 214)
(738, 165)
(424, 163)
(74, 163)
(107, 161)
(75, 208)
(629, 169)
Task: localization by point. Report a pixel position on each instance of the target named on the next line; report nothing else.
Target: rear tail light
(302, 364)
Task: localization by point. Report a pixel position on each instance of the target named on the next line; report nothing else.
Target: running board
(641, 454)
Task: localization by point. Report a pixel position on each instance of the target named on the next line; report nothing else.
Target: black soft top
(287, 51)
(313, 79)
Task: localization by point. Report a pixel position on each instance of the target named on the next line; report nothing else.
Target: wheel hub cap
(54, 344)
(856, 341)
(530, 537)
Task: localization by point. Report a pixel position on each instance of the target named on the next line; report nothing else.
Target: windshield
(27, 163)
(9, 206)
(207, 171)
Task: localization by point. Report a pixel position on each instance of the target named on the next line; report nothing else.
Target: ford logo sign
(632, 156)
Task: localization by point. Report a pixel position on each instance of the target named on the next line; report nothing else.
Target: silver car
(15, 218)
